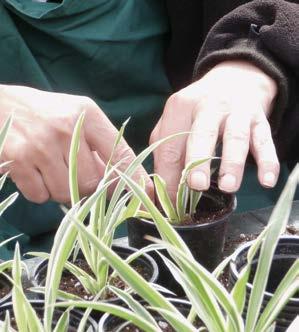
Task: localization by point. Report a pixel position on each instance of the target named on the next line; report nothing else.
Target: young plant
(218, 309)
(187, 199)
(26, 316)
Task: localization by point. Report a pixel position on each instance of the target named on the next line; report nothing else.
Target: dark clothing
(265, 32)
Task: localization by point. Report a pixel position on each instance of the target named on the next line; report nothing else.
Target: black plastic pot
(38, 305)
(147, 262)
(286, 253)
(205, 240)
(4, 283)
(110, 323)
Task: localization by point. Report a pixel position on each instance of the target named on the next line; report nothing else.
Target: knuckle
(173, 99)
(170, 155)
(176, 101)
(23, 152)
(89, 186)
(58, 129)
(262, 143)
(86, 104)
(232, 164)
(270, 164)
(153, 136)
(240, 135)
(41, 198)
(60, 197)
(123, 153)
(38, 196)
(205, 133)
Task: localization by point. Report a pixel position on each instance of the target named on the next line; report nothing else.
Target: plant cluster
(216, 308)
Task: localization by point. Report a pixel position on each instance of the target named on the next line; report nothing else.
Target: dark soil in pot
(204, 233)
(144, 264)
(72, 285)
(110, 323)
(38, 305)
(286, 253)
(5, 290)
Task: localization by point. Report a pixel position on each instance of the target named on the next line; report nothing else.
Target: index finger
(201, 144)
(169, 157)
(101, 135)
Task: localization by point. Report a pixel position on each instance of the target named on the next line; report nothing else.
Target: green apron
(109, 50)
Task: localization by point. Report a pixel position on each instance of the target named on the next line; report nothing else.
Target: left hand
(231, 102)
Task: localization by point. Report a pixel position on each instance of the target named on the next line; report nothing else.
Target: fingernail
(269, 179)
(228, 182)
(198, 181)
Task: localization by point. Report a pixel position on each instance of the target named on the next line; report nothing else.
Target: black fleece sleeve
(265, 32)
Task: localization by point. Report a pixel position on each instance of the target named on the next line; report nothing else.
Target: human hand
(39, 140)
(231, 102)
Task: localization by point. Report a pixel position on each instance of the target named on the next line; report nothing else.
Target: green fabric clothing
(111, 51)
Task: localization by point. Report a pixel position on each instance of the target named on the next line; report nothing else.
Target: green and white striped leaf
(115, 310)
(164, 199)
(277, 225)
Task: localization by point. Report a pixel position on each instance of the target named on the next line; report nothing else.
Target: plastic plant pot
(148, 264)
(110, 323)
(205, 240)
(287, 251)
(38, 305)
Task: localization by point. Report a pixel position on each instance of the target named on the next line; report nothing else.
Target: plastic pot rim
(40, 303)
(244, 247)
(172, 300)
(152, 263)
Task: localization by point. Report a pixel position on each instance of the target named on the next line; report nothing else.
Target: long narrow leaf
(7, 202)
(25, 316)
(191, 267)
(73, 167)
(203, 302)
(181, 194)
(3, 178)
(278, 222)
(164, 199)
(130, 276)
(283, 291)
(165, 229)
(63, 322)
(63, 244)
(114, 310)
(135, 306)
(4, 131)
(132, 168)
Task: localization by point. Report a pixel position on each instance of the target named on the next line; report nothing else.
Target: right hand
(39, 140)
